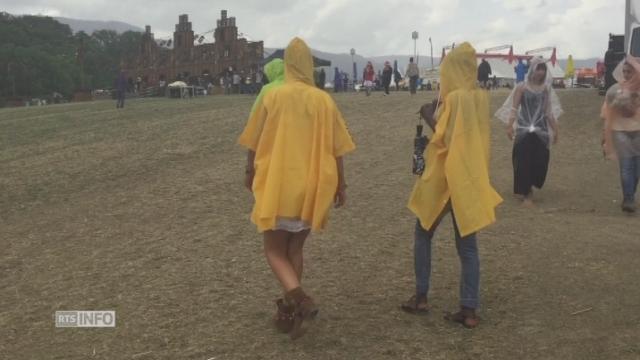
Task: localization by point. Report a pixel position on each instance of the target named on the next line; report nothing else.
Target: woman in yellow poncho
(457, 180)
(296, 139)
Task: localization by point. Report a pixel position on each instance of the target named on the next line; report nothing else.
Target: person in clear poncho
(531, 113)
(296, 139)
(456, 180)
(621, 138)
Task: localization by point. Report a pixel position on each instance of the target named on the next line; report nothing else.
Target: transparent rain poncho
(620, 112)
(539, 104)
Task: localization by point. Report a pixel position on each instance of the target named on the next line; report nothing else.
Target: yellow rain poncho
(458, 155)
(297, 132)
(274, 71)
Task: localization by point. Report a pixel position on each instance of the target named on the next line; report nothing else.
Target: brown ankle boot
(466, 316)
(284, 316)
(304, 309)
(417, 304)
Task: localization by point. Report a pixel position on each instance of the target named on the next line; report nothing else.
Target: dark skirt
(530, 163)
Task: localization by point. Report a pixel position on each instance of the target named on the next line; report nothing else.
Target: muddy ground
(142, 211)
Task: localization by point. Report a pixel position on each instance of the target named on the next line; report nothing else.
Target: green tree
(39, 56)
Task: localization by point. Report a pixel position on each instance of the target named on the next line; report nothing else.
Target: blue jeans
(413, 84)
(629, 175)
(468, 254)
(120, 99)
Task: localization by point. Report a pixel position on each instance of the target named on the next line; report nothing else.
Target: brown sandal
(304, 309)
(416, 305)
(284, 317)
(466, 316)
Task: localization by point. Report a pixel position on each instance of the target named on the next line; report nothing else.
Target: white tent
(177, 84)
(502, 69)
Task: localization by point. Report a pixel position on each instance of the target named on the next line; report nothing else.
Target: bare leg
(276, 249)
(527, 201)
(295, 251)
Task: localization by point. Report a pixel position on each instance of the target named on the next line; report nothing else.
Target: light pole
(355, 78)
(431, 45)
(414, 36)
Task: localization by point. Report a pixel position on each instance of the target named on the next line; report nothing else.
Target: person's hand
(341, 197)
(510, 132)
(248, 179)
(608, 153)
(607, 150)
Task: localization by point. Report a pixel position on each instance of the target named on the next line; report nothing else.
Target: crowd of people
(234, 82)
(241, 82)
(381, 80)
(293, 197)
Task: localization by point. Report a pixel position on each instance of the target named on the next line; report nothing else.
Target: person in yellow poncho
(296, 139)
(456, 179)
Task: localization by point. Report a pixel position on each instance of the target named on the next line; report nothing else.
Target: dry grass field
(143, 211)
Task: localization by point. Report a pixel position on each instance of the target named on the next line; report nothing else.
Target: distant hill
(89, 26)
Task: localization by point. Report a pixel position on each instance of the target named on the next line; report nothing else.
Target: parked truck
(620, 45)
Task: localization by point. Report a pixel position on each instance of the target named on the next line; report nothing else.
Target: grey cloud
(373, 27)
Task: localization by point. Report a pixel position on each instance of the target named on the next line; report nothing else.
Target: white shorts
(291, 225)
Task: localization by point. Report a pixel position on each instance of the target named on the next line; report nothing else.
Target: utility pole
(355, 75)
(431, 45)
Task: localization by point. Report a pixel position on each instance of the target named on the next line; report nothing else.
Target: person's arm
(605, 115)
(341, 191)
(250, 139)
(250, 170)
(551, 120)
(606, 141)
(517, 98)
(554, 126)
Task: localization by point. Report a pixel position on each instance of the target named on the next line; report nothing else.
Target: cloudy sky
(372, 27)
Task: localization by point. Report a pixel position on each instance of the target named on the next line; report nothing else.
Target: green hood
(274, 70)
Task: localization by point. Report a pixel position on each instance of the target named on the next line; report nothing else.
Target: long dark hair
(542, 66)
(539, 66)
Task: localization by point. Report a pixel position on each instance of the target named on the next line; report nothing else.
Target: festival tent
(502, 66)
(279, 54)
(177, 84)
(179, 89)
